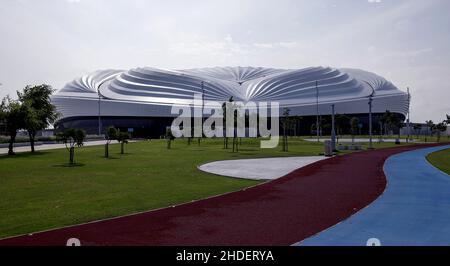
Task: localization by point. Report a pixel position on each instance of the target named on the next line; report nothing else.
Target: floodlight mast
(409, 116)
(370, 114)
(317, 111)
(99, 113)
(333, 131)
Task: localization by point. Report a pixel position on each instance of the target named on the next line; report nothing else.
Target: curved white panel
(151, 92)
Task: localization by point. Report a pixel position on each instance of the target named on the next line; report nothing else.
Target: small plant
(122, 138)
(72, 137)
(169, 137)
(111, 134)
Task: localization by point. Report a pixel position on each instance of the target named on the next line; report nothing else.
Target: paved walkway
(414, 209)
(280, 212)
(259, 169)
(49, 147)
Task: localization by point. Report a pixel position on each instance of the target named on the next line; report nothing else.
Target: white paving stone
(259, 169)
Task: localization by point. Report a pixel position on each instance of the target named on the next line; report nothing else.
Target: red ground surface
(281, 212)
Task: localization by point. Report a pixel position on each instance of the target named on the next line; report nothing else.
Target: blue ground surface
(414, 209)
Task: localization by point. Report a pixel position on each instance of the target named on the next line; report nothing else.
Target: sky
(405, 41)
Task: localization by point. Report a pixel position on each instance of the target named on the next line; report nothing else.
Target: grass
(441, 159)
(41, 191)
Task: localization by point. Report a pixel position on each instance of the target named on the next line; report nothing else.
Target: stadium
(140, 100)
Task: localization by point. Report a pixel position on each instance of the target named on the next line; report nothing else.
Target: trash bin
(328, 149)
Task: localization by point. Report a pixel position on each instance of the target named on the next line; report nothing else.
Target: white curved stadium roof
(151, 92)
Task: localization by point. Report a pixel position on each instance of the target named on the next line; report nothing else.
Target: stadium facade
(140, 99)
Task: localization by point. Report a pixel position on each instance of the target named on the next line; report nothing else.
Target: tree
(72, 137)
(385, 121)
(111, 134)
(417, 128)
(285, 124)
(447, 123)
(169, 137)
(438, 129)
(354, 127)
(397, 123)
(430, 126)
(40, 112)
(13, 114)
(341, 122)
(122, 138)
(296, 124)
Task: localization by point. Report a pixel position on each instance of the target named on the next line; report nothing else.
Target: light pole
(409, 116)
(370, 114)
(203, 102)
(333, 132)
(99, 114)
(317, 110)
(202, 109)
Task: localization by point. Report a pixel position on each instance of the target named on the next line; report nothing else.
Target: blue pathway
(414, 209)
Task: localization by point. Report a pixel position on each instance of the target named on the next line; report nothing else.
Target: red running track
(281, 212)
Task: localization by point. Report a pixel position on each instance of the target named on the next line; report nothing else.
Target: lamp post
(333, 132)
(203, 99)
(202, 109)
(99, 113)
(317, 110)
(409, 116)
(370, 114)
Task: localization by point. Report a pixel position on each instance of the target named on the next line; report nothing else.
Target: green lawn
(441, 160)
(39, 191)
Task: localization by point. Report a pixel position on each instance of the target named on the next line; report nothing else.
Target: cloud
(54, 42)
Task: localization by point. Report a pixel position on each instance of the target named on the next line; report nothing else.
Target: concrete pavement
(259, 169)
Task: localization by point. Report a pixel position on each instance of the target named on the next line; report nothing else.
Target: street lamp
(333, 132)
(317, 110)
(409, 116)
(99, 113)
(370, 114)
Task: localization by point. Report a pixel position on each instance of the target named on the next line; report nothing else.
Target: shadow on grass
(23, 155)
(109, 158)
(69, 165)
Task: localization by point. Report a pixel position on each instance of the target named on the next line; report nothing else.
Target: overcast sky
(55, 41)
